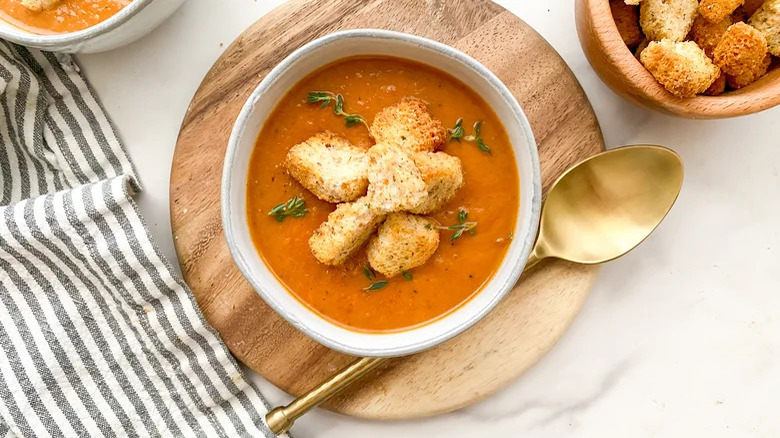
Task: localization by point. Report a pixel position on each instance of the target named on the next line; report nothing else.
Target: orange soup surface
(457, 270)
(66, 16)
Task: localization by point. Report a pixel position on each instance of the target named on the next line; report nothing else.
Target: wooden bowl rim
(758, 96)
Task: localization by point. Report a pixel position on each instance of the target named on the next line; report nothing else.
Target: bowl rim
(63, 39)
(525, 245)
(642, 86)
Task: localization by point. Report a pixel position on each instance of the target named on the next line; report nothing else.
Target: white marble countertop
(679, 338)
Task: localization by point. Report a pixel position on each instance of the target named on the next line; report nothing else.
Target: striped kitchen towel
(98, 335)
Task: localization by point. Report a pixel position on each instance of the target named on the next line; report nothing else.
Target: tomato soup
(66, 16)
(458, 269)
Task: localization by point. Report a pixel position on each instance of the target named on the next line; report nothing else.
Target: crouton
(627, 21)
(443, 176)
(394, 182)
(409, 125)
(708, 34)
(751, 6)
(345, 231)
(39, 5)
(633, 2)
(682, 68)
(667, 19)
(717, 10)
(717, 87)
(747, 78)
(767, 21)
(741, 50)
(642, 46)
(330, 167)
(403, 242)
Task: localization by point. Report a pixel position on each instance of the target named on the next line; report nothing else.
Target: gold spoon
(597, 211)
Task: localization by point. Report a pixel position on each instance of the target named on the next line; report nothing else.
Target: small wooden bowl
(616, 65)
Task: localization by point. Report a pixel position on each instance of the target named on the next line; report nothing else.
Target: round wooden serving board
(464, 370)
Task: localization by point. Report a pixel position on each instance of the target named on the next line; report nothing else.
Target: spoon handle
(281, 419)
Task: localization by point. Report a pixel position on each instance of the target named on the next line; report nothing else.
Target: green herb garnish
(458, 133)
(369, 273)
(350, 119)
(320, 96)
(324, 98)
(407, 275)
(461, 227)
(295, 207)
(376, 286)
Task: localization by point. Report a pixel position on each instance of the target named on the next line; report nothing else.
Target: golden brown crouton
(667, 19)
(717, 87)
(39, 5)
(394, 182)
(403, 242)
(330, 167)
(751, 6)
(767, 21)
(717, 10)
(741, 50)
(627, 21)
(747, 78)
(345, 231)
(409, 125)
(682, 68)
(642, 46)
(708, 34)
(443, 176)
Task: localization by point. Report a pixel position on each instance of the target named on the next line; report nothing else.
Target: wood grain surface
(464, 370)
(618, 68)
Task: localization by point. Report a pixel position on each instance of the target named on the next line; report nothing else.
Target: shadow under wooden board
(464, 370)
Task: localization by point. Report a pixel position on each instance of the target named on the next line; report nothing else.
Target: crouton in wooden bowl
(702, 60)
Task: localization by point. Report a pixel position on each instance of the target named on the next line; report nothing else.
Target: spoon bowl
(605, 206)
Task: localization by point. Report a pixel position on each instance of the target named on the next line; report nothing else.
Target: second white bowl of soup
(81, 26)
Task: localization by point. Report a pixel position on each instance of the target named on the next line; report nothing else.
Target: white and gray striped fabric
(99, 337)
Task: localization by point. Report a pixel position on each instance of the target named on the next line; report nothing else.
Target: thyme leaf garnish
(407, 275)
(324, 98)
(376, 286)
(319, 96)
(458, 134)
(461, 227)
(295, 207)
(352, 120)
(369, 273)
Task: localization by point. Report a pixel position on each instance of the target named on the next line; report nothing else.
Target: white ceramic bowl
(257, 108)
(134, 21)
